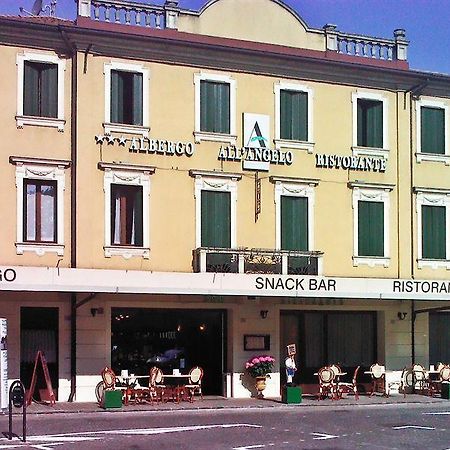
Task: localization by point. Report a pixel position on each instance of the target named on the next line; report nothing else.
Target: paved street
(389, 426)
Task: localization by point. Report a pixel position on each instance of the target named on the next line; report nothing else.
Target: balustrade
(130, 13)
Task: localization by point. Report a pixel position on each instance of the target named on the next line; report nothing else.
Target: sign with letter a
(3, 365)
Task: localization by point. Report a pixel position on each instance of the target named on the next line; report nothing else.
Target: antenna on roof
(38, 8)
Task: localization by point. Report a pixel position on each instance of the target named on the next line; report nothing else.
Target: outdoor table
(128, 382)
(175, 385)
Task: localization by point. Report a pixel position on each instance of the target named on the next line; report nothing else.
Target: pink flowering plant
(260, 366)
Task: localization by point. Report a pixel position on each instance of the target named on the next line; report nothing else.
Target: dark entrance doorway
(170, 339)
(439, 324)
(39, 331)
(346, 338)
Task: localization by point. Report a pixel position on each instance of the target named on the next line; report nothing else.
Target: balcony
(257, 260)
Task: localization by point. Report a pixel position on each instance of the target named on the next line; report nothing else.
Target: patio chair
(347, 388)
(435, 386)
(327, 384)
(195, 382)
(109, 383)
(421, 378)
(378, 375)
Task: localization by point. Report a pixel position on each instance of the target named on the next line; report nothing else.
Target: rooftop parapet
(169, 16)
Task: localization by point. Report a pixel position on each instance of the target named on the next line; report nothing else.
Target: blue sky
(426, 22)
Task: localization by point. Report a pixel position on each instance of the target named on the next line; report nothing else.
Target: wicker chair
(327, 384)
(378, 375)
(348, 388)
(195, 382)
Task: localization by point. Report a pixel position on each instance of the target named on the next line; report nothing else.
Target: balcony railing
(245, 260)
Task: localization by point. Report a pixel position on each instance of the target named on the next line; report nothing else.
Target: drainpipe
(73, 207)
(73, 224)
(414, 94)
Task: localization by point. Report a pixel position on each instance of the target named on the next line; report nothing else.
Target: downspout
(73, 224)
(73, 209)
(414, 94)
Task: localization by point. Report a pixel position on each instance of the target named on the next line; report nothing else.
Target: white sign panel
(3, 365)
(256, 130)
(50, 279)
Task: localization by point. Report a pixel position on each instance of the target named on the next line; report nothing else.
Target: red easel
(51, 395)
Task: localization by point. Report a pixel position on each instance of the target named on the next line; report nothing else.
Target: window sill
(433, 157)
(51, 122)
(298, 145)
(371, 261)
(370, 151)
(433, 263)
(214, 137)
(40, 248)
(138, 130)
(126, 252)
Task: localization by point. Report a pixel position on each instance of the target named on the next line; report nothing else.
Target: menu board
(3, 365)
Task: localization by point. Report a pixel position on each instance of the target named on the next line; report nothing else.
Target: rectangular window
(39, 211)
(126, 97)
(40, 89)
(215, 219)
(433, 232)
(126, 215)
(432, 130)
(294, 223)
(370, 228)
(293, 115)
(370, 123)
(214, 107)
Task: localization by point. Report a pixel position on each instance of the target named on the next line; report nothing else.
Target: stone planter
(260, 384)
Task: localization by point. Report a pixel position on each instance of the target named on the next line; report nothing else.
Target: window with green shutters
(126, 97)
(40, 89)
(432, 130)
(214, 107)
(294, 223)
(370, 228)
(433, 232)
(370, 123)
(215, 219)
(293, 115)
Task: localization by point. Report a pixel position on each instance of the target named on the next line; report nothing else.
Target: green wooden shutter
(294, 223)
(293, 115)
(49, 90)
(214, 107)
(433, 232)
(370, 123)
(216, 219)
(137, 99)
(31, 89)
(116, 97)
(370, 228)
(432, 129)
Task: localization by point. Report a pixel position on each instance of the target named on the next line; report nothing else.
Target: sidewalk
(210, 402)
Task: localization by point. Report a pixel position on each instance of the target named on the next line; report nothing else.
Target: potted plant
(259, 367)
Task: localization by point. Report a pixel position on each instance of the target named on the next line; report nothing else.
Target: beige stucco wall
(253, 20)
(30, 141)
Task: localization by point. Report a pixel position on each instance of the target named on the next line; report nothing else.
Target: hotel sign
(255, 153)
(149, 146)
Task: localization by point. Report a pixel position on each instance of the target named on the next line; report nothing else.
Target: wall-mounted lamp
(401, 315)
(263, 313)
(95, 311)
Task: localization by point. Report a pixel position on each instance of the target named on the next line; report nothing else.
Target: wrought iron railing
(257, 260)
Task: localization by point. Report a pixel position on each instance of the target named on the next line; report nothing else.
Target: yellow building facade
(187, 188)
